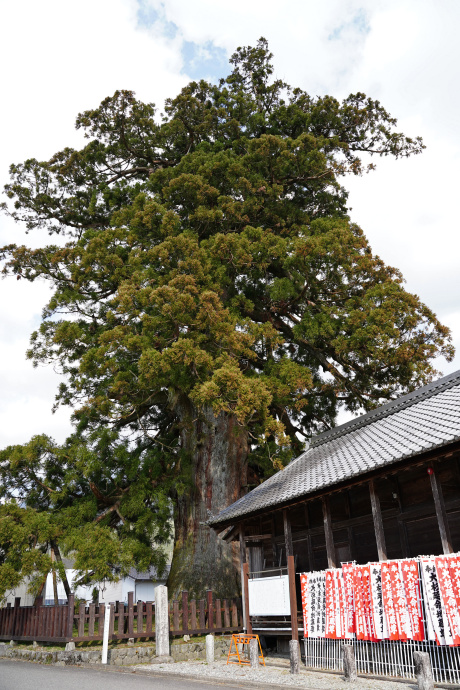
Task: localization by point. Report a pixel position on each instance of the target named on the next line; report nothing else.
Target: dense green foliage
(103, 501)
(210, 261)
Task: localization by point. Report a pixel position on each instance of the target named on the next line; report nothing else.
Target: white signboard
(269, 596)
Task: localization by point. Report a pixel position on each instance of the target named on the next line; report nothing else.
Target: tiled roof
(425, 419)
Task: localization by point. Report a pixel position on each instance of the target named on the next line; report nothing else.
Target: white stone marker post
(105, 639)
(423, 671)
(254, 653)
(161, 621)
(209, 649)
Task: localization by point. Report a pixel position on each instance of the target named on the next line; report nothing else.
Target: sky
(59, 59)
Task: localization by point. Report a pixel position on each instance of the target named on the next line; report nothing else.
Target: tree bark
(217, 450)
(58, 558)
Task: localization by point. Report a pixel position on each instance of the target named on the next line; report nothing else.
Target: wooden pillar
(273, 542)
(291, 574)
(441, 514)
(378, 522)
(328, 533)
(311, 563)
(244, 582)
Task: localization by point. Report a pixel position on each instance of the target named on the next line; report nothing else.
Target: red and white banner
(409, 570)
(383, 601)
(378, 609)
(331, 606)
(305, 607)
(390, 611)
(348, 586)
(360, 604)
(448, 598)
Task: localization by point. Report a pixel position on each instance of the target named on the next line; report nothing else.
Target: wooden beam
(291, 575)
(441, 514)
(244, 582)
(378, 522)
(328, 533)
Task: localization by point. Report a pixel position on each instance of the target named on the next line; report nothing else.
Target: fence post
(70, 615)
(294, 656)
(15, 631)
(161, 621)
(423, 671)
(131, 615)
(254, 653)
(349, 663)
(210, 610)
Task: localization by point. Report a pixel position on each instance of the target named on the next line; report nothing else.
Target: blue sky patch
(357, 22)
(204, 60)
(147, 16)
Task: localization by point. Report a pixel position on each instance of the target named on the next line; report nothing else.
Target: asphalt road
(22, 675)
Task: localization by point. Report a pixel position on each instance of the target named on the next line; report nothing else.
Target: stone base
(121, 656)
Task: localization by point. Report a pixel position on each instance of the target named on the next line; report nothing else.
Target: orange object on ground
(243, 639)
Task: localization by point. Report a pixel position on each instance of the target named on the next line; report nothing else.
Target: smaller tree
(104, 503)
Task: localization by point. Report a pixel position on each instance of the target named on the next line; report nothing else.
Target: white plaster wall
(128, 586)
(21, 591)
(110, 592)
(145, 590)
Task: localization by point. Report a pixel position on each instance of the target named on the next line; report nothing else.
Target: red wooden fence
(65, 623)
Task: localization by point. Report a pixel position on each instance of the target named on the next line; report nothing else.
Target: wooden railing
(66, 623)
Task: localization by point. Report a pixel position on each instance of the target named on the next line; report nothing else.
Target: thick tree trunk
(217, 450)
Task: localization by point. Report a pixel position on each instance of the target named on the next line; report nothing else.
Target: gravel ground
(272, 675)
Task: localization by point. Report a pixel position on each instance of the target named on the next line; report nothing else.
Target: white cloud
(61, 58)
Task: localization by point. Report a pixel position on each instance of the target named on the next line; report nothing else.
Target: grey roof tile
(414, 423)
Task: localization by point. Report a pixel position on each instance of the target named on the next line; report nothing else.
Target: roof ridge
(407, 400)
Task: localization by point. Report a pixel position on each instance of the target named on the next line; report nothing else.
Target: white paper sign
(269, 596)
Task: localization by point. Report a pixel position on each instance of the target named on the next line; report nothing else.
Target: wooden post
(291, 575)
(378, 522)
(70, 615)
(441, 514)
(311, 563)
(131, 614)
(330, 550)
(244, 583)
(210, 607)
(17, 604)
(185, 611)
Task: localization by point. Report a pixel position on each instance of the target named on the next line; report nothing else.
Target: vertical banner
(341, 613)
(305, 602)
(409, 570)
(330, 606)
(400, 603)
(449, 599)
(454, 570)
(378, 610)
(316, 604)
(433, 602)
(367, 599)
(348, 579)
(388, 602)
(360, 614)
